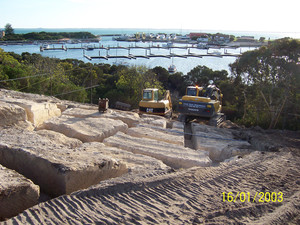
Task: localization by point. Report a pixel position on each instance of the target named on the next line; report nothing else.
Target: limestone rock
(172, 155)
(27, 96)
(81, 113)
(159, 135)
(130, 118)
(16, 193)
(220, 143)
(178, 125)
(59, 138)
(154, 120)
(85, 129)
(11, 114)
(37, 113)
(136, 163)
(55, 168)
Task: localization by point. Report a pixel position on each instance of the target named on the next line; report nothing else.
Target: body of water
(183, 65)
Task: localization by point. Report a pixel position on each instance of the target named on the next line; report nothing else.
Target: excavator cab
(201, 102)
(150, 94)
(150, 103)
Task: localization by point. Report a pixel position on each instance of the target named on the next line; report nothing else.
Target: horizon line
(179, 29)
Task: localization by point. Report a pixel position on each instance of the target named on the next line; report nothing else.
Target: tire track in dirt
(185, 197)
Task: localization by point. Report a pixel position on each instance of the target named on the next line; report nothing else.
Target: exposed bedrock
(173, 155)
(37, 112)
(220, 143)
(11, 114)
(155, 134)
(136, 163)
(17, 193)
(130, 118)
(85, 129)
(56, 168)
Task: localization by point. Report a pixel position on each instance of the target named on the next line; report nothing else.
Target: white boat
(172, 69)
(168, 45)
(89, 47)
(216, 52)
(202, 46)
(44, 46)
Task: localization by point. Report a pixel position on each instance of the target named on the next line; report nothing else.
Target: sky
(235, 15)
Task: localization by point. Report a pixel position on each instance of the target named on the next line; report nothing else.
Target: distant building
(203, 39)
(197, 35)
(246, 39)
(2, 33)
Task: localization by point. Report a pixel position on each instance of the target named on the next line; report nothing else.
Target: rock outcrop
(130, 118)
(136, 163)
(159, 135)
(220, 143)
(16, 193)
(37, 112)
(171, 154)
(85, 129)
(56, 168)
(11, 114)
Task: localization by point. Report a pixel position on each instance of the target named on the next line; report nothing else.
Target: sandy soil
(192, 196)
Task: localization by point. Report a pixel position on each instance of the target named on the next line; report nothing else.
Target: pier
(148, 56)
(91, 48)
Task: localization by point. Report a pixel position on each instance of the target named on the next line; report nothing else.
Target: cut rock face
(55, 168)
(11, 114)
(37, 113)
(159, 135)
(16, 193)
(220, 143)
(59, 138)
(136, 163)
(130, 118)
(85, 129)
(172, 155)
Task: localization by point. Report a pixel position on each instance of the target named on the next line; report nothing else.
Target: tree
(200, 75)
(271, 78)
(162, 75)
(8, 29)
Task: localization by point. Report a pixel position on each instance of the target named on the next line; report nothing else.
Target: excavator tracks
(191, 196)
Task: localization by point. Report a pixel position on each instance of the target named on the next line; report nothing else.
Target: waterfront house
(197, 35)
(246, 39)
(203, 39)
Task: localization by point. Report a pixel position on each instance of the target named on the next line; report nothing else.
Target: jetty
(134, 47)
(148, 56)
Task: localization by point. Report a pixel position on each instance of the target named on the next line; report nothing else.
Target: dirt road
(186, 197)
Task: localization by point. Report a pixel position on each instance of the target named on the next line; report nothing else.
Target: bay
(183, 65)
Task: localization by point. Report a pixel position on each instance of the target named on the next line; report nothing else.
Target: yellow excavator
(151, 105)
(201, 102)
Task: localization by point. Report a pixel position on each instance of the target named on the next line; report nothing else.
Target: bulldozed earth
(63, 162)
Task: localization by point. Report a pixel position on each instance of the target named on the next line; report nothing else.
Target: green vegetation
(38, 36)
(263, 89)
(267, 82)
(8, 29)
